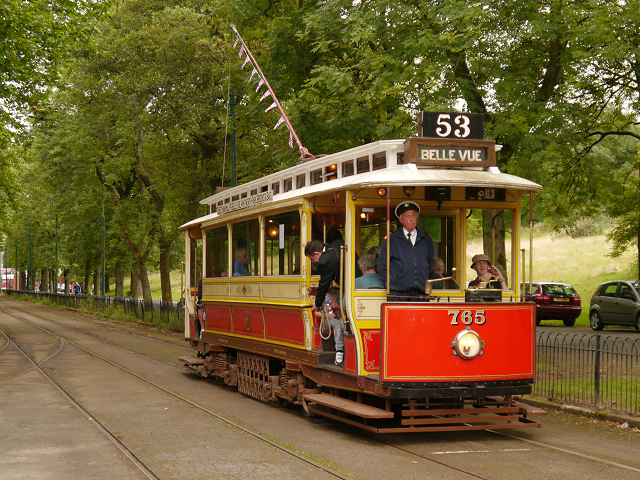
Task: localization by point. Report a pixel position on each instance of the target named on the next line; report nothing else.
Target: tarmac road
(42, 435)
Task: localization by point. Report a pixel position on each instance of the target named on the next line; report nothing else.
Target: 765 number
(467, 317)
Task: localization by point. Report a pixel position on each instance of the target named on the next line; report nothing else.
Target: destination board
(450, 152)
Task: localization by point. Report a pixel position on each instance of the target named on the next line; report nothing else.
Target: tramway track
(567, 451)
(91, 418)
(113, 438)
(105, 340)
(513, 437)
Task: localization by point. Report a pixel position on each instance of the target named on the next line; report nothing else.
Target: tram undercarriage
(361, 401)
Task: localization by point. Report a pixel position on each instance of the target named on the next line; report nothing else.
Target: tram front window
(489, 232)
(372, 224)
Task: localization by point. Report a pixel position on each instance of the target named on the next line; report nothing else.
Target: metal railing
(596, 371)
(158, 314)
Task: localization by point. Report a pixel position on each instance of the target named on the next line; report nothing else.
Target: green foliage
(143, 109)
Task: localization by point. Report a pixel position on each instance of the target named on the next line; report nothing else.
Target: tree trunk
(135, 280)
(96, 282)
(87, 279)
(44, 280)
(66, 281)
(119, 279)
(165, 269)
(144, 282)
(493, 240)
(106, 283)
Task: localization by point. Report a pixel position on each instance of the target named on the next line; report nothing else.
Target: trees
(551, 78)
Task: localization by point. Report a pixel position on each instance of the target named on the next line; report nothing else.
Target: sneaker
(339, 358)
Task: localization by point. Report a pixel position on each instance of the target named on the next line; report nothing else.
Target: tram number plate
(467, 317)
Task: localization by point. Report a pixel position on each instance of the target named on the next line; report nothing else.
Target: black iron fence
(596, 371)
(159, 314)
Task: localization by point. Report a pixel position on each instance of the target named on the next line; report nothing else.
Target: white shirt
(411, 236)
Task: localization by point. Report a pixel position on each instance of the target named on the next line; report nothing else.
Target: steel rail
(120, 445)
(146, 471)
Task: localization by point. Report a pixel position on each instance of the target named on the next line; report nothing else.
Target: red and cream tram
(453, 361)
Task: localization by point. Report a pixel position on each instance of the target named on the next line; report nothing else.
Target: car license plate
(561, 299)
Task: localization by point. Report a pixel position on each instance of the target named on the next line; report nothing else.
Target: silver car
(616, 303)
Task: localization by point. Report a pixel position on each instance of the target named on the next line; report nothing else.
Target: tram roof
(395, 173)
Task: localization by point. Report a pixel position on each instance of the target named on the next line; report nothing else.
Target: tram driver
(411, 258)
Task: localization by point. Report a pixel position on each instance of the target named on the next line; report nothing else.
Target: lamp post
(56, 271)
(30, 261)
(102, 282)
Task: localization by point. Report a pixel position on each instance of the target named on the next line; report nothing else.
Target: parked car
(554, 301)
(616, 303)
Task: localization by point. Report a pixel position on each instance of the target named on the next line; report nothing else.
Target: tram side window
(195, 265)
(282, 247)
(246, 247)
(217, 251)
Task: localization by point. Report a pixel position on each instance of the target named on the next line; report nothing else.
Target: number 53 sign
(462, 126)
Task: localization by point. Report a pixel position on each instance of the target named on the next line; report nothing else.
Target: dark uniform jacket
(328, 267)
(410, 264)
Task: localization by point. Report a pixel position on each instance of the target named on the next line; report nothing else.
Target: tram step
(347, 406)
(189, 360)
(528, 409)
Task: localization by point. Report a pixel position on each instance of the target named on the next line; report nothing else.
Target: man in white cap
(411, 257)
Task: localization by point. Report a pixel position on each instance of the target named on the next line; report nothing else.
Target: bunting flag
(266, 94)
(244, 50)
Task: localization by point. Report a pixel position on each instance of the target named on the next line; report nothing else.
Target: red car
(554, 301)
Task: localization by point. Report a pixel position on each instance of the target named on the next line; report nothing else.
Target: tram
(456, 359)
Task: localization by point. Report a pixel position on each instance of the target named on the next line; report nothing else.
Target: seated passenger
(438, 272)
(486, 273)
(375, 251)
(241, 268)
(370, 277)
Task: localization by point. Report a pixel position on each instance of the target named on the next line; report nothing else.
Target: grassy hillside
(583, 262)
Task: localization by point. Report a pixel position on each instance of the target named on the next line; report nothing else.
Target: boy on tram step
(411, 258)
(326, 257)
